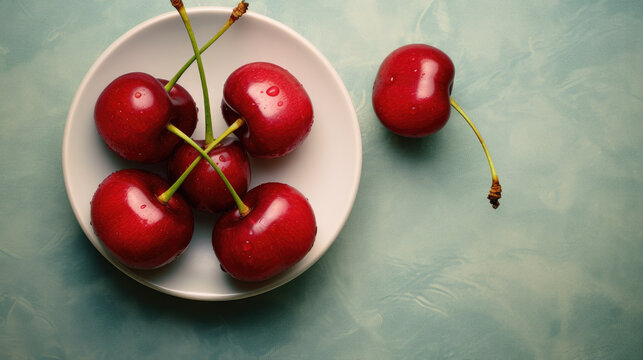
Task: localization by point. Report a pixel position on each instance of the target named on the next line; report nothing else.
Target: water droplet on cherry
(137, 94)
(413, 110)
(273, 91)
(246, 246)
(280, 103)
(143, 206)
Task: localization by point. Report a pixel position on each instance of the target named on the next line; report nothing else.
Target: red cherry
(277, 111)
(412, 90)
(278, 232)
(133, 111)
(412, 97)
(134, 225)
(203, 188)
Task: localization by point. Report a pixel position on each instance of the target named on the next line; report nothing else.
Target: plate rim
(192, 295)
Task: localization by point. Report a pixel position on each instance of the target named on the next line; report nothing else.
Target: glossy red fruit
(139, 230)
(276, 108)
(133, 111)
(203, 188)
(412, 89)
(277, 233)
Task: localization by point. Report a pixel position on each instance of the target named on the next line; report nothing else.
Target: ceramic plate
(326, 167)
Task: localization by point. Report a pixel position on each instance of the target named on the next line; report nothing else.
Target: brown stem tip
(241, 9)
(494, 194)
(177, 3)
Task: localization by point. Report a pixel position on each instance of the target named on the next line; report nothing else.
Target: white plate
(326, 167)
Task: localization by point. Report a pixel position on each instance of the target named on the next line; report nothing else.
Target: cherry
(412, 97)
(204, 189)
(132, 114)
(277, 232)
(412, 89)
(134, 222)
(277, 111)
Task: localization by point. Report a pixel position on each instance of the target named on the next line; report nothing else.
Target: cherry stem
(178, 4)
(237, 12)
(165, 197)
(496, 189)
(243, 208)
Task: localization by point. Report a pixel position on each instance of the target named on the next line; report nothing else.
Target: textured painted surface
(424, 268)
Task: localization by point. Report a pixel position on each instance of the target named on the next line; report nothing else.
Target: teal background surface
(424, 268)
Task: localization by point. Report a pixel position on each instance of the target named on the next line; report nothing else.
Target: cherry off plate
(326, 167)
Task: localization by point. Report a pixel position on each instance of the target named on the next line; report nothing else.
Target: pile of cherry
(143, 219)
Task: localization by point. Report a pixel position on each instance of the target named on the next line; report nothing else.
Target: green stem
(496, 189)
(184, 68)
(167, 195)
(236, 14)
(243, 208)
(204, 85)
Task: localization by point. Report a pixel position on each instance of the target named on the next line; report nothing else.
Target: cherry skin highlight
(277, 233)
(133, 111)
(277, 111)
(203, 188)
(412, 90)
(138, 229)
